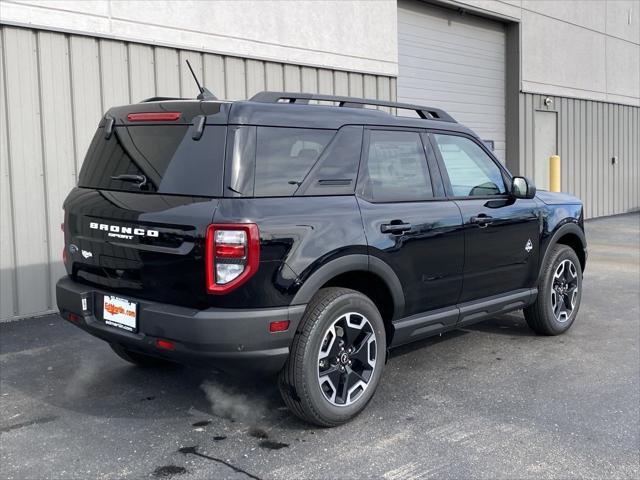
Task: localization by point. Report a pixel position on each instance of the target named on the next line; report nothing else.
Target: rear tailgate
(146, 194)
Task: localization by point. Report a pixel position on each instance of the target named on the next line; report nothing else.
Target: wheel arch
(364, 273)
(572, 235)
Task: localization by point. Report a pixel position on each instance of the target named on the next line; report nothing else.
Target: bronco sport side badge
(529, 246)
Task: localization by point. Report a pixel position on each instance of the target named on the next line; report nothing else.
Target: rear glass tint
(165, 156)
(284, 156)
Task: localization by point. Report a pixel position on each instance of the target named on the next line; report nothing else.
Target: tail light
(232, 254)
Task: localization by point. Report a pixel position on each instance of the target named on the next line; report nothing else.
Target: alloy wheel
(347, 359)
(564, 290)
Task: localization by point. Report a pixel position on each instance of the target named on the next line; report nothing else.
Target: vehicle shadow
(410, 348)
(510, 324)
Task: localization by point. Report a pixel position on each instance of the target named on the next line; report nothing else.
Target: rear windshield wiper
(141, 180)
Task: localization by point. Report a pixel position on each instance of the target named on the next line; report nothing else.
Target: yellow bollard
(554, 173)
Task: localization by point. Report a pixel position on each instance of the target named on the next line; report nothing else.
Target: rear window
(166, 156)
(284, 156)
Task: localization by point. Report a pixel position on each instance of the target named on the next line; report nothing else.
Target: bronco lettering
(123, 232)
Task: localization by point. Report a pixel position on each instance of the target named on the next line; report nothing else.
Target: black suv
(306, 235)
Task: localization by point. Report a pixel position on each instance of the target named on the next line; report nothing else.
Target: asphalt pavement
(490, 401)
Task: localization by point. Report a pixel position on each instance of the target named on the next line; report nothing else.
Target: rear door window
(396, 168)
(165, 158)
(284, 156)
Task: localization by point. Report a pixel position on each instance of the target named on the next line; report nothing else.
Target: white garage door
(455, 62)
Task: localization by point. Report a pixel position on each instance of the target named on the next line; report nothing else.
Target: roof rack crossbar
(429, 113)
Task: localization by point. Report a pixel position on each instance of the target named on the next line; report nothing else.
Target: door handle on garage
(396, 227)
(482, 219)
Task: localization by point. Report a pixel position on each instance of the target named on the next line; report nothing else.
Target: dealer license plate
(120, 313)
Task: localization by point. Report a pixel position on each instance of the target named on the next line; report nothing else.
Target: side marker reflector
(165, 344)
(279, 326)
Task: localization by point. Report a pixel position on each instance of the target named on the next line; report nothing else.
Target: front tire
(336, 358)
(559, 293)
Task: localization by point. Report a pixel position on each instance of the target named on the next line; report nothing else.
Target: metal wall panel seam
(629, 161)
(73, 110)
(598, 159)
(609, 173)
(12, 215)
(573, 147)
(180, 89)
(226, 76)
(591, 174)
(581, 148)
(103, 108)
(618, 154)
(129, 74)
(155, 71)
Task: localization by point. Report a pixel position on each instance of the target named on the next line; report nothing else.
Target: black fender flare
(350, 263)
(561, 231)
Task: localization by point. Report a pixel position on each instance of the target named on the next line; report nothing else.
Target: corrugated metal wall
(53, 90)
(589, 134)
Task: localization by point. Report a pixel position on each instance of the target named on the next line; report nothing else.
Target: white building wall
(345, 35)
(586, 49)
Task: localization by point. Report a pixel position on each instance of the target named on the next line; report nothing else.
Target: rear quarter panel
(297, 236)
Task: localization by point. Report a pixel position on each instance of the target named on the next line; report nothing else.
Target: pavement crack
(194, 451)
(37, 421)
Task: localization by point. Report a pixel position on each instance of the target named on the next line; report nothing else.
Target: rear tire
(336, 360)
(559, 293)
(136, 358)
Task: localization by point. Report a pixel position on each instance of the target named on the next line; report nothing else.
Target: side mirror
(521, 187)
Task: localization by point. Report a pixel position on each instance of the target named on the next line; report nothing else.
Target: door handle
(396, 227)
(482, 219)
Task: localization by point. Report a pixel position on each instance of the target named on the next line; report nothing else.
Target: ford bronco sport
(306, 235)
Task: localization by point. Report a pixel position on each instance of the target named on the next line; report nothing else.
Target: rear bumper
(229, 339)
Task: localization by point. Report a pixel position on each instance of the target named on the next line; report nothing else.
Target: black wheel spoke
(361, 352)
(333, 373)
(567, 303)
(559, 302)
(335, 347)
(348, 380)
(351, 334)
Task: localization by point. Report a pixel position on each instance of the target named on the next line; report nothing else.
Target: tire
(557, 305)
(137, 359)
(335, 319)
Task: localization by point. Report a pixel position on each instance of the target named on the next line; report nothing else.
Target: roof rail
(429, 113)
